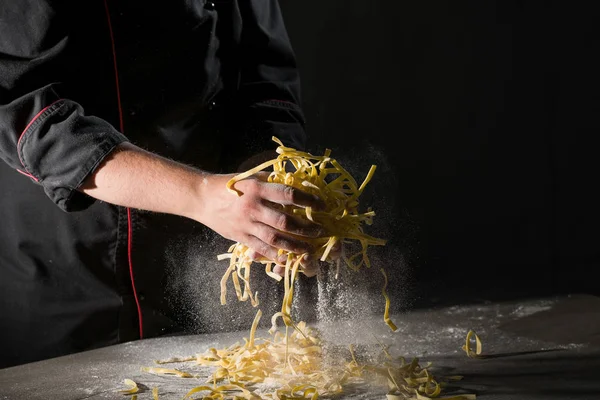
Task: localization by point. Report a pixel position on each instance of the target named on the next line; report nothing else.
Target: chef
(120, 124)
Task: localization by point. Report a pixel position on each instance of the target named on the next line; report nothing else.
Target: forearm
(132, 177)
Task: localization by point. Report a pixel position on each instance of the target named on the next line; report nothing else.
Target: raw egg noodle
(324, 177)
(132, 387)
(472, 337)
(290, 365)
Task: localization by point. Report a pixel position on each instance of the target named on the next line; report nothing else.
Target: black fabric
(204, 83)
(61, 147)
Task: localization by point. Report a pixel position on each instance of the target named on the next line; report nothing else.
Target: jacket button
(209, 5)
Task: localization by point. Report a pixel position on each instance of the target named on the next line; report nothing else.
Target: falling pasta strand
(471, 335)
(386, 314)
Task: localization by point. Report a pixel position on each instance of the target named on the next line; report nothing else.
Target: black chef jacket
(207, 83)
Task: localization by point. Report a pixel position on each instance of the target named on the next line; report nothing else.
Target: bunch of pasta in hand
(341, 219)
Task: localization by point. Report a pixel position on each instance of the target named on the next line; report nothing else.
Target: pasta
(166, 371)
(293, 367)
(291, 363)
(133, 387)
(322, 176)
(467, 346)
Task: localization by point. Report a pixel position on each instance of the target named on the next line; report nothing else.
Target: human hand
(257, 218)
(309, 265)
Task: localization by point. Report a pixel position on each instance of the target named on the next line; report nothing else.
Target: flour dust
(195, 273)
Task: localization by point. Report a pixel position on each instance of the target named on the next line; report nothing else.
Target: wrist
(204, 190)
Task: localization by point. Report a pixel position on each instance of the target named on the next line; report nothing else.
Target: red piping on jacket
(34, 118)
(23, 133)
(28, 174)
(121, 126)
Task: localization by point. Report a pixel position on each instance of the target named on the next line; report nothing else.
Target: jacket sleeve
(52, 141)
(48, 138)
(269, 78)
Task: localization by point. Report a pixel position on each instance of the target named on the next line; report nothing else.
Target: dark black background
(483, 119)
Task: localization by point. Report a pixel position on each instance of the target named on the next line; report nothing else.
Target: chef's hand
(309, 264)
(256, 218)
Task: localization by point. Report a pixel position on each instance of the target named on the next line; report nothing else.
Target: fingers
(336, 250)
(280, 240)
(255, 255)
(287, 195)
(260, 249)
(266, 229)
(264, 202)
(287, 223)
(279, 269)
(267, 241)
(308, 266)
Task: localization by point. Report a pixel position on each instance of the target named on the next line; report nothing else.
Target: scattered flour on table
(572, 346)
(524, 311)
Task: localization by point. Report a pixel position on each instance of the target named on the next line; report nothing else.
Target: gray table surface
(536, 349)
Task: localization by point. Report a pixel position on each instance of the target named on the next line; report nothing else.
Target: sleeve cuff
(62, 147)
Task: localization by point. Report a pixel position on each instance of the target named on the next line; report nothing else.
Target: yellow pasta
(166, 371)
(293, 366)
(291, 363)
(324, 177)
(133, 387)
(174, 360)
(467, 346)
(386, 314)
